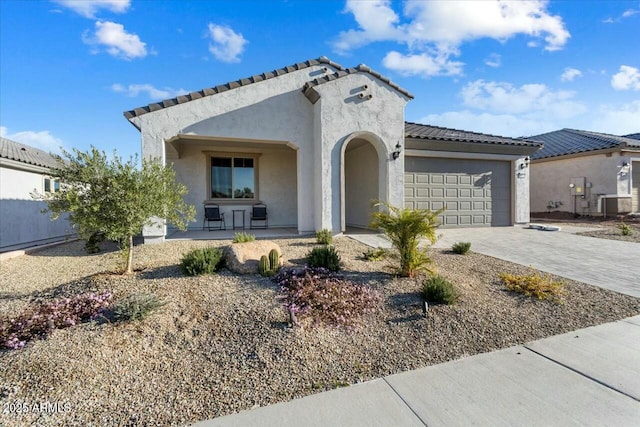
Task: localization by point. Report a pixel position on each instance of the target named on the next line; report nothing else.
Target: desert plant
(263, 265)
(39, 321)
(324, 237)
(202, 261)
(625, 229)
(404, 228)
(374, 254)
(438, 290)
(324, 256)
(136, 307)
(534, 285)
(325, 297)
(274, 259)
(243, 237)
(461, 248)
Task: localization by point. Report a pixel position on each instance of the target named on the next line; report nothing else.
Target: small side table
(233, 219)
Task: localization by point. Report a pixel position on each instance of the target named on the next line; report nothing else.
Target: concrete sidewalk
(610, 264)
(590, 377)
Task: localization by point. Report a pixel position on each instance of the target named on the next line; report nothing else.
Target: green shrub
(243, 237)
(374, 254)
(325, 257)
(438, 290)
(404, 228)
(202, 261)
(324, 237)
(624, 229)
(534, 285)
(461, 248)
(136, 307)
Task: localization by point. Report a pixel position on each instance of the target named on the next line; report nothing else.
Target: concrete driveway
(610, 264)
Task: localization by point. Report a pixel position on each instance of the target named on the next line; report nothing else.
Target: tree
(405, 228)
(116, 198)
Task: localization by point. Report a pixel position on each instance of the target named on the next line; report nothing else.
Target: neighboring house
(317, 143)
(587, 173)
(24, 170)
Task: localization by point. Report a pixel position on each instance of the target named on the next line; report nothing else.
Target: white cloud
(227, 45)
(569, 74)
(630, 12)
(504, 98)
(38, 139)
(117, 41)
(618, 120)
(494, 60)
(627, 78)
(439, 28)
(422, 64)
(626, 14)
(89, 8)
(151, 91)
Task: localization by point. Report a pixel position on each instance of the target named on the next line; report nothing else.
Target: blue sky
(69, 69)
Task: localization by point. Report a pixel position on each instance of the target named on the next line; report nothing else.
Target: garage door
(473, 192)
(635, 189)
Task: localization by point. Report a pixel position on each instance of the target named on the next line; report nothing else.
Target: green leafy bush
(324, 237)
(461, 248)
(202, 261)
(624, 229)
(405, 228)
(438, 290)
(324, 256)
(374, 254)
(243, 237)
(136, 307)
(325, 297)
(534, 285)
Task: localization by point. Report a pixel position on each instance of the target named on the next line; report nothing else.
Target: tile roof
(420, 131)
(26, 154)
(571, 141)
(633, 135)
(258, 78)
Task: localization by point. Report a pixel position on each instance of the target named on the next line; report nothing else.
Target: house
(317, 142)
(25, 170)
(586, 173)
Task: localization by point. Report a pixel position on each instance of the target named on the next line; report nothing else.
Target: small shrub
(438, 290)
(39, 321)
(136, 307)
(243, 237)
(374, 254)
(325, 297)
(461, 248)
(324, 237)
(325, 257)
(202, 261)
(624, 229)
(534, 285)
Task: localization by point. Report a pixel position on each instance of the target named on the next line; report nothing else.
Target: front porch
(269, 233)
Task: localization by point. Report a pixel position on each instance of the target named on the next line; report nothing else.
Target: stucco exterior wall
(361, 184)
(17, 184)
(550, 181)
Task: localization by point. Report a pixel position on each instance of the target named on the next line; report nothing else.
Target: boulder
(243, 258)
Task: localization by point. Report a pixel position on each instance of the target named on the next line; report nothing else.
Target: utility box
(578, 186)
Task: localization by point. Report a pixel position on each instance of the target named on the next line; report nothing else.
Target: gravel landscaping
(612, 232)
(222, 343)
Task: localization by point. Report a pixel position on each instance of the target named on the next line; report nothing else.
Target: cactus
(263, 265)
(274, 259)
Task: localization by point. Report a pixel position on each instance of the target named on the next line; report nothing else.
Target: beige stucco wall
(361, 184)
(550, 181)
(17, 184)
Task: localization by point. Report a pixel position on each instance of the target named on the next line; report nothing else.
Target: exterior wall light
(396, 153)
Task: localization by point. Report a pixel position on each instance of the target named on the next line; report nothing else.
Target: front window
(51, 185)
(233, 178)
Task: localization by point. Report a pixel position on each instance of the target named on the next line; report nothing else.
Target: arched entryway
(364, 173)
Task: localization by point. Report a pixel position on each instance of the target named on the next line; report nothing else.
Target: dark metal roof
(420, 131)
(633, 135)
(26, 154)
(571, 141)
(254, 79)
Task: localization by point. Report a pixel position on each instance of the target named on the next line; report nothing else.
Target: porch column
(153, 147)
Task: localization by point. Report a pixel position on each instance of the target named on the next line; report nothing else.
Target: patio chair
(212, 214)
(259, 213)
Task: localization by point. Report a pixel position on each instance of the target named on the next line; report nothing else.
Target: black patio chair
(259, 213)
(212, 214)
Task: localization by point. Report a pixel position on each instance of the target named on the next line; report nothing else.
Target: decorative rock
(243, 258)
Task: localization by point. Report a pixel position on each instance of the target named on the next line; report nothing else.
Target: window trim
(52, 184)
(231, 201)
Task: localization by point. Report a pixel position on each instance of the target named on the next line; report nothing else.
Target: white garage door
(473, 192)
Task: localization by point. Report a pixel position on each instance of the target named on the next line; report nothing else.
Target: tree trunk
(129, 269)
